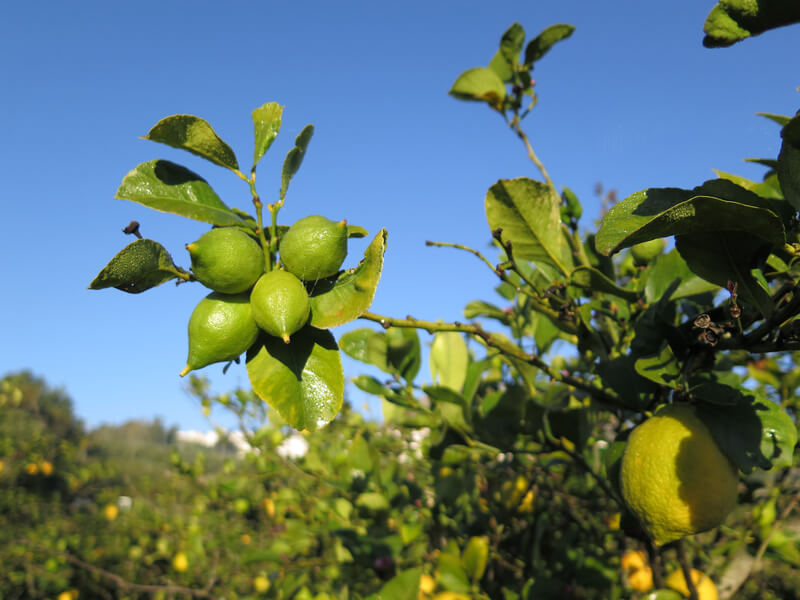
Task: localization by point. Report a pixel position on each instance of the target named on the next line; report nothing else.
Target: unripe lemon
(674, 477)
(221, 328)
(706, 590)
(644, 252)
(180, 563)
(314, 247)
(280, 304)
(226, 260)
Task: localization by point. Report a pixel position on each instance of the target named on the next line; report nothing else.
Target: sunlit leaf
(266, 125)
(194, 135)
(449, 359)
(480, 84)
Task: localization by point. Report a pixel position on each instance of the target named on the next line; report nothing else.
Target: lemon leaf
(195, 135)
(404, 586)
(266, 125)
(346, 296)
(139, 266)
(302, 380)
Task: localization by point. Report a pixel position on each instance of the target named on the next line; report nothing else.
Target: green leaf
(478, 308)
(171, 188)
(511, 43)
(788, 167)
(732, 21)
(449, 360)
(266, 125)
(403, 352)
(372, 501)
(541, 44)
(754, 432)
(716, 205)
(354, 231)
(619, 374)
(475, 557)
(591, 279)
(500, 66)
(451, 406)
(662, 368)
(348, 295)
(664, 270)
(528, 213)
(481, 85)
(194, 135)
(369, 384)
(779, 119)
(302, 380)
(762, 189)
(451, 574)
(403, 586)
(359, 455)
(139, 266)
(365, 345)
(294, 158)
(723, 256)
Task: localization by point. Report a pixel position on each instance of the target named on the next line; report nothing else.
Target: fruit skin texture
(706, 590)
(637, 572)
(644, 252)
(221, 328)
(674, 477)
(226, 260)
(280, 303)
(314, 247)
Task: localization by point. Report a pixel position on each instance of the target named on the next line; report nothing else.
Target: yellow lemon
(110, 511)
(32, 469)
(674, 477)
(180, 563)
(246, 539)
(638, 573)
(226, 260)
(706, 590)
(46, 467)
(261, 584)
(314, 247)
(280, 304)
(426, 584)
(269, 507)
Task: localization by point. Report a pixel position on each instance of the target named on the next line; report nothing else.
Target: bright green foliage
(194, 135)
(221, 328)
(226, 260)
(314, 247)
(732, 21)
(280, 304)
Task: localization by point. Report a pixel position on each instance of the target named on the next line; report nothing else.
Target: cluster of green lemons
(246, 298)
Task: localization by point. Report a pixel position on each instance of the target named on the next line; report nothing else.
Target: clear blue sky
(632, 100)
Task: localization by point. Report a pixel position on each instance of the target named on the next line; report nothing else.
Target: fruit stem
(687, 570)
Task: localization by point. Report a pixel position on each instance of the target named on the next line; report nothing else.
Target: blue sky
(632, 100)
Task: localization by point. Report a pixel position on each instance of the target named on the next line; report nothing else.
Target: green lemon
(314, 247)
(227, 260)
(221, 328)
(645, 252)
(280, 303)
(674, 477)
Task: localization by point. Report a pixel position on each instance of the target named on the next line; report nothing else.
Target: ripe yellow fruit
(260, 584)
(221, 328)
(674, 477)
(46, 467)
(638, 573)
(450, 596)
(180, 563)
(706, 590)
(32, 468)
(427, 584)
(110, 511)
(280, 304)
(314, 247)
(226, 260)
(246, 539)
(269, 507)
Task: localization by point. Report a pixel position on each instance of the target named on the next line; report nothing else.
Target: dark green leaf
(667, 268)
(139, 266)
(662, 368)
(404, 586)
(528, 213)
(354, 231)
(266, 125)
(591, 279)
(348, 295)
(303, 380)
(788, 167)
(451, 406)
(195, 135)
(754, 432)
(294, 158)
(511, 43)
(717, 205)
(541, 44)
(480, 84)
(449, 360)
(732, 21)
(723, 256)
(620, 375)
(171, 188)
(403, 351)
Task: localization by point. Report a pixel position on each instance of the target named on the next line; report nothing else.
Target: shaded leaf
(511, 43)
(665, 270)
(788, 167)
(541, 44)
(139, 266)
(753, 433)
(716, 205)
(348, 295)
(195, 135)
(480, 84)
(722, 256)
(591, 279)
(403, 352)
(475, 557)
(732, 21)
(403, 586)
(266, 125)
(451, 573)
(528, 213)
(171, 188)
(294, 158)
(365, 345)
(451, 406)
(303, 380)
(449, 360)
(478, 308)
(662, 368)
